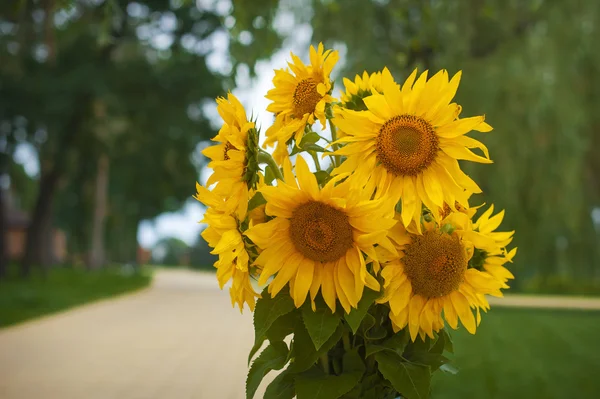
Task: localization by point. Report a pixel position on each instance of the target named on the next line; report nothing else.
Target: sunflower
(223, 234)
(317, 238)
(299, 98)
(362, 86)
(235, 159)
(491, 254)
(435, 271)
(407, 143)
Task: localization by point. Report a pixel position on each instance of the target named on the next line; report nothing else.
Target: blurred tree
(118, 80)
(200, 256)
(170, 251)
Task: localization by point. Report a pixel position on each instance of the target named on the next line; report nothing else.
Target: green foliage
(315, 384)
(274, 357)
(356, 316)
(320, 324)
(63, 288)
(411, 379)
(349, 357)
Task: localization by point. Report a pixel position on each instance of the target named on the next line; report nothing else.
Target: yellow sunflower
(362, 86)
(407, 143)
(317, 238)
(235, 159)
(299, 98)
(223, 234)
(436, 271)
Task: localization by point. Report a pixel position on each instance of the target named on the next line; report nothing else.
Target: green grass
(62, 288)
(524, 353)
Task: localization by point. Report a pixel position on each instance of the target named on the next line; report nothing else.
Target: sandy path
(158, 343)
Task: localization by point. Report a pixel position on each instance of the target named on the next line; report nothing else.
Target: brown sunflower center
(228, 146)
(320, 232)
(406, 145)
(435, 264)
(306, 97)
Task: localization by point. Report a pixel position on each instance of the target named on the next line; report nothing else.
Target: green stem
(315, 159)
(346, 341)
(265, 157)
(325, 362)
(338, 158)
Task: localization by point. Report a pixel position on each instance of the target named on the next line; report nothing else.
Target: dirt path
(546, 302)
(158, 343)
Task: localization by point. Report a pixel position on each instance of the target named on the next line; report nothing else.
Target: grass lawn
(62, 288)
(525, 353)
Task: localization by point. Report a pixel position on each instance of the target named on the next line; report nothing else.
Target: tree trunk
(97, 253)
(3, 231)
(41, 222)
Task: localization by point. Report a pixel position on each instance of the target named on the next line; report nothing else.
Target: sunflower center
(435, 264)
(320, 232)
(306, 97)
(406, 145)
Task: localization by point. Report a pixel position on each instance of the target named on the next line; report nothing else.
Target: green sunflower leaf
(267, 311)
(410, 380)
(309, 138)
(283, 326)
(356, 316)
(282, 387)
(305, 354)
(321, 323)
(274, 357)
(315, 384)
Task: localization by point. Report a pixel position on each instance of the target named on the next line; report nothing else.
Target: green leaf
(269, 175)
(367, 323)
(322, 177)
(356, 316)
(255, 348)
(448, 344)
(305, 354)
(321, 324)
(282, 387)
(268, 310)
(314, 384)
(274, 357)
(396, 343)
(410, 380)
(283, 326)
(256, 201)
(309, 138)
(313, 147)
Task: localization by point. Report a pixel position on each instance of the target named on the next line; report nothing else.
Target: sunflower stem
(315, 159)
(346, 341)
(334, 145)
(325, 362)
(265, 157)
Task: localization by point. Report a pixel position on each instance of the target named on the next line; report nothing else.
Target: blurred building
(17, 223)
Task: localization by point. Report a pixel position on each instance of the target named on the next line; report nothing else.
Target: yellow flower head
(362, 86)
(223, 234)
(235, 159)
(407, 143)
(299, 97)
(317, 238)
(443, 269)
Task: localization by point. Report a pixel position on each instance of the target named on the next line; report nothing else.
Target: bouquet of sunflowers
(369, 257)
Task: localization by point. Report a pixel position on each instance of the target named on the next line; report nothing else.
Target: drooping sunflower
(299, 98)
(317, 238)
(434, 272)
(235, 159)
(223, 234)
(408, 142)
